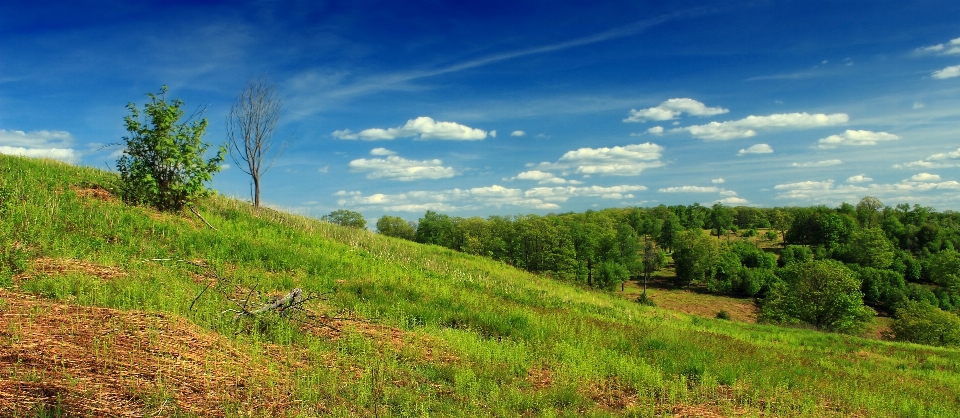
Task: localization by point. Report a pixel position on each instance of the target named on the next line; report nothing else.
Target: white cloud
(629, 160)
(939, 160)
(562, 194)
(543, 178)
(859, 178)
(852, 137)
(918, 105)
(402, 169)
(493, 133)
(673, 108)
(731, 201)
(39, 144)
(445, 200)
(718, 181)
(421, 128)
(690, 189)
(757, 149)
(656, 130)
(63, 154)
(925, 177)
(729, 195)
(950, 48)
(806, 185)
(746, 127)
(826, 191)
(824, 163)
(381, 152)
(949, 72)
(518, 133)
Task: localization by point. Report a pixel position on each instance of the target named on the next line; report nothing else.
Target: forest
(844, 263)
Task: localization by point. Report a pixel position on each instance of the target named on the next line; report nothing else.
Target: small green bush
(163, 164)
(646, 301)
(723, 314)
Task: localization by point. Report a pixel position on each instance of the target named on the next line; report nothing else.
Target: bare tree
(250, 128)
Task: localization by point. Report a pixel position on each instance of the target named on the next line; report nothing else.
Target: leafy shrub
(645, 300)
(162, 164)
(923, 323)
(822, 293)
(795, 253)
(771, 235)
(723, 314)
(881, 286)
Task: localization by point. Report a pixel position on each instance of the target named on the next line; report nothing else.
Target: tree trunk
(256, 191)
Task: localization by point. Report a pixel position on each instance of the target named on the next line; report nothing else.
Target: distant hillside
(112, 310)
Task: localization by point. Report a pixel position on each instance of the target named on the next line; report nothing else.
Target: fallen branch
(201, 217)
(290, 300)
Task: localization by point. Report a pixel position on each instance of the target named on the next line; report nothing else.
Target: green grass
(439, 333)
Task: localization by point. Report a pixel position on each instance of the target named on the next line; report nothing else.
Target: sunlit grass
(435, 332)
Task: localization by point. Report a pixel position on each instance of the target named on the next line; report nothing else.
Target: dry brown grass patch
(88, 361)
(60, 266)
(93, 192)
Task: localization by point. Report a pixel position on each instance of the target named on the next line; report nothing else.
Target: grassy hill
(112, 310)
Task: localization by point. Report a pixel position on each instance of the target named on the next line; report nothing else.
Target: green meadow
(393, 328)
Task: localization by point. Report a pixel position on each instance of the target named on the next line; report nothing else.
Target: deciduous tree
(822, 293)
(395, 226)
(348, 218)
(250, 128)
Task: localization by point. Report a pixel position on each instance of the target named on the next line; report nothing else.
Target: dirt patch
(59, 266)
(611, 395)
(93, 192)
(85, 361)
(539, 377)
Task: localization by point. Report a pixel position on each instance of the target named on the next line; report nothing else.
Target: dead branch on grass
(291, 306)
(201, 217)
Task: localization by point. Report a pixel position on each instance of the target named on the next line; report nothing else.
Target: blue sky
(502, 108)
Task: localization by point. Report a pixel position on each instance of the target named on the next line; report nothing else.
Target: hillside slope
(115, 310)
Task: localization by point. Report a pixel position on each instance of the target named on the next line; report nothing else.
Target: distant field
(112, 310)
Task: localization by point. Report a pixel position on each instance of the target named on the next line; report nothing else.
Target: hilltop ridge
(104, 312)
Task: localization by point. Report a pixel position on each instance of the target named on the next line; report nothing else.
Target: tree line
(846, 261)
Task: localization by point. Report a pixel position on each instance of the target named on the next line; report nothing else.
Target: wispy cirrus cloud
(748, 127)
(421, 128)
(673, 108)
(394, 167)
